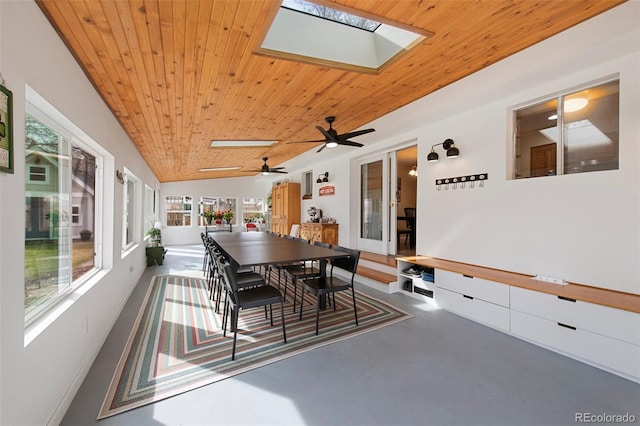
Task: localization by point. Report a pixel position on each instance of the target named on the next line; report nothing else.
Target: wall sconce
(413, 171)
(324, 177)
(452, 151)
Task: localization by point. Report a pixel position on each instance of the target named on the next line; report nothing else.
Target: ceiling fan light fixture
(332, 144)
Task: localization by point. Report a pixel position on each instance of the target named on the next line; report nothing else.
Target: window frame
(561, 144)
(48, 115)
(132, 211)
(185, 212)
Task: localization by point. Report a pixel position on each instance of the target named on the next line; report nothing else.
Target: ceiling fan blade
(326, 134)
(322, 147)
(319, 140)
(278, 171)
(356, 133)
(350, 143)
(272, 169)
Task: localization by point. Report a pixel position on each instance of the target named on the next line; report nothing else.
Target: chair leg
(235, 332)
(317, 314)
(284, 331)
(295, 290)
(333, 296)
(355, 309)
(270, 312)
(224, 319)
(301, 302)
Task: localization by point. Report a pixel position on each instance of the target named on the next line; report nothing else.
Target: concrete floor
(434, 369)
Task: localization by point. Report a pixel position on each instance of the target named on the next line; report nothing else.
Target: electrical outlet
(551, 280)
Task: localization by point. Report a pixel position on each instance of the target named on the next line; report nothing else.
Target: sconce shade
(323, 177)
(452, 151)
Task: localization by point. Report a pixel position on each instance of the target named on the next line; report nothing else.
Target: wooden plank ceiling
(178, 74)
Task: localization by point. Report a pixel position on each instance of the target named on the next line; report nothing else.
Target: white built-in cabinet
(599, 334)
(606, 337)
(481, 300)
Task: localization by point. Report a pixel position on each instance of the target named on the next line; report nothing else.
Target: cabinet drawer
(612, 353)
(475, 309)
(616, 323)
(475, 287)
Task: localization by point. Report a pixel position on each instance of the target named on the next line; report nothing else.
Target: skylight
(309, 33)
(331, 14)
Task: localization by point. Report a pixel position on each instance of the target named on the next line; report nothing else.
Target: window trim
(559, 95)
(42, 316)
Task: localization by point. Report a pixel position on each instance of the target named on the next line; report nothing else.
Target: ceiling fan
(265, 169)
(333, 139)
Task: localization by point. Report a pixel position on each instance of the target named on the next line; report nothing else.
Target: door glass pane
(371, 208)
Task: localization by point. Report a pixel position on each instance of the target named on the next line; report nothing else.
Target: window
(216, 205)
(574, 132)
(253, 210)
(75, 215)
(307, 185)
(37, 173)
(61, 192)
(130, 209)
(178, 208)
(149, 207)
(356, 43)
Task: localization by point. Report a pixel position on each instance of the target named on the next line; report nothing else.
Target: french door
(377, 204)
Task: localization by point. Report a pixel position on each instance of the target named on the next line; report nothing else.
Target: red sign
(327, 190)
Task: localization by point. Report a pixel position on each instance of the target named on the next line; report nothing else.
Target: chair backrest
(301, 240)
(349, 264)
(322, 244)
(251, 227)
(229, 279)
(410, 212)
(288, 237)
(295, 230)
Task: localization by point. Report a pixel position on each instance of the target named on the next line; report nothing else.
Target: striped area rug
(176, 344)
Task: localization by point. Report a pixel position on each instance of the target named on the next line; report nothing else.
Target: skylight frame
(289, 4)
(329, 43)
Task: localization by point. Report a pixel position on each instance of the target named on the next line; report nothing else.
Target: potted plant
(208, 215)
(85, 235)
(227, 216)
(155, 234)
(218, 216)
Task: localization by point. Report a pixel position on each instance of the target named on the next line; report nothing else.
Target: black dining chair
(328, 286)
(301, 271)
(254, 297)
(410, 223)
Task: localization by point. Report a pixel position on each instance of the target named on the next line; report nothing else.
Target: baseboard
(66, 400)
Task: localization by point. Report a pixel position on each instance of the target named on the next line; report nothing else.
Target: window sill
(48, 317)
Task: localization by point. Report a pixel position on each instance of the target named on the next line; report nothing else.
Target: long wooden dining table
(260, 249)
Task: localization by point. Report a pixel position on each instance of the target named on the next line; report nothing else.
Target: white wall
(38, 381)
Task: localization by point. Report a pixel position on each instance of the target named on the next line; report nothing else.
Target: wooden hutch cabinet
(285, 207)
(324, 232)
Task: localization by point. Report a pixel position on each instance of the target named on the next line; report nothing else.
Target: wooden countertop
(601, 296)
